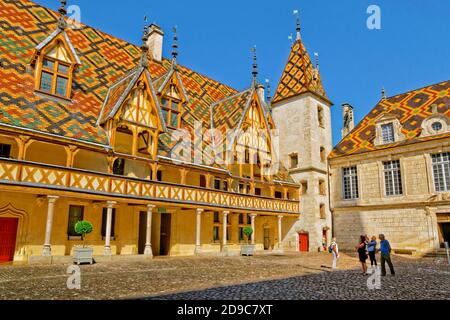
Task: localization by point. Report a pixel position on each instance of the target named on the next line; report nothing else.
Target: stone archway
(9, 211)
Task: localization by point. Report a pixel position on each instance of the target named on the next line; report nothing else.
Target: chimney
(348, 119)
(155, 42)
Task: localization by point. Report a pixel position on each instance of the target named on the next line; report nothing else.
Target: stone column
(109, 212)
(47, 250)
(148, 240)
(280, 235)
(253, 217)
(199, 225)
(225, 230)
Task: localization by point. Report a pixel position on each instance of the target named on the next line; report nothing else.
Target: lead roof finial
(144, 46)
(62, 24)
(175, 46)
(383, 94)
(298, 29)
(255, 67)
(269, 98)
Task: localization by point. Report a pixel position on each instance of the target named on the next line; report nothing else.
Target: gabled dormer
(131, 113)
(251, 144)
(55, 61)
(172, 98)
(388, 130)
(171, 93)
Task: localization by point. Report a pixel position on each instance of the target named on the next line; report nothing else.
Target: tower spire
(174, 47)
(62, 24)
(255, 67)
(298, 29)
(144, 46)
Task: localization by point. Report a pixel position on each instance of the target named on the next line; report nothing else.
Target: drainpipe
(329, 199)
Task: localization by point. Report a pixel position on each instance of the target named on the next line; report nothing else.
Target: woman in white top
(335, 250)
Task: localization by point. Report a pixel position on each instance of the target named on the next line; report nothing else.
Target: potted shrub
(248, 249)
(83, 254)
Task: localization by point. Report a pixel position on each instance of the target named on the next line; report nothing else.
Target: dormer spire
(62, 24)
(255, 67)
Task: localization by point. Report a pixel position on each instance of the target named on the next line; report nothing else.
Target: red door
(8, 233)
(303, 242)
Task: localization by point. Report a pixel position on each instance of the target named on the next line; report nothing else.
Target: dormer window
(54, 77)
(437, 126)
(171, 103)
(54, 69)
(171, 112)
(387, 132)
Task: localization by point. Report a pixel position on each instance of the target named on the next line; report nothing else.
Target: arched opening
(13, 223)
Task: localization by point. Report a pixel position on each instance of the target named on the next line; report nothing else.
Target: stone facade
(302, 134)
(409, 221)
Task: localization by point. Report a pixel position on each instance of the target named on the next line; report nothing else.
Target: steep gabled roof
(299, 76)
(121, 90)
(410, 108)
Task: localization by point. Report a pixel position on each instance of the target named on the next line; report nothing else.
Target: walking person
(362, 253)
(385, 249)
(334, 249)
(372, 249)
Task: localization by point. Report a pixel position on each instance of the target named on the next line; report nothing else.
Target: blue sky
(411, 50)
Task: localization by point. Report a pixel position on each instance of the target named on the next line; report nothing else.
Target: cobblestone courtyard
(294, 276)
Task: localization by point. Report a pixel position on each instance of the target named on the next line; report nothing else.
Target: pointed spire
(144, 46)
(383, 94)
(62, 24)
(174, 47)
(298, 29)
(255, 67)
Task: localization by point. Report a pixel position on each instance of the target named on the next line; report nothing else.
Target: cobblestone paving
(299, 276)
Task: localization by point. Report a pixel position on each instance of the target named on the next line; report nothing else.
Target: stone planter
(83, 255)
(247, 250)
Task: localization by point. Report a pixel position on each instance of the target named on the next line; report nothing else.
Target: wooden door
(142, 231)
(266, 238)
(166, 221)
(303, 242)
(8, 234)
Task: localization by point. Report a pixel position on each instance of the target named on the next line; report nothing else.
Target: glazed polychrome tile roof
(104, 60)
(299, 76)
(411, 108)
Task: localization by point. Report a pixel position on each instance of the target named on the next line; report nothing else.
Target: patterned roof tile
(411, 108)
(299, 76)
